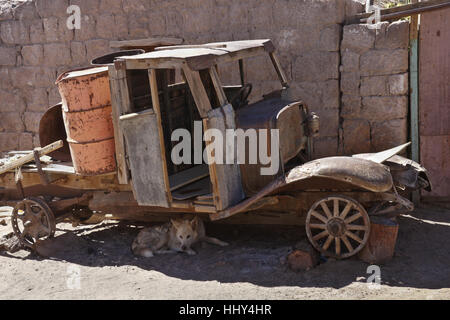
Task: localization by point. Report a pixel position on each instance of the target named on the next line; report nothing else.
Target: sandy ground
(252, 267)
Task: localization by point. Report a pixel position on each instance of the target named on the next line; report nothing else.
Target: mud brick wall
(374, 86)
(36, 46)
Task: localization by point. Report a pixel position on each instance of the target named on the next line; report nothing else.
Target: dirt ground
(252, 267)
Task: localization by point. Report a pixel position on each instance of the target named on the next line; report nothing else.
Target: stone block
(32, 55)
(51, 30)
(130, 6)
(389, 134)
(350, 82)
(65, 34)
(57, 54)
(37, 34)
(398, 84)
(121, 27)
(11, 101)
(87, 6)
(374, 86)
(8, 56)
(26, 141)
(330, 38)
(36, 99)
(351, 106)
(32, 120)
(9, 141)
(105, 26)
(383, 62)
(317, 95)
(96, 48)
(11, 122)
(325, 147)
(111, 6)
(51, 8)
(316, 66)
(393, 36)
(349, 60)
(329, 122)
(14, 32)
(174, 22)
(88, 29)
(32, 76)
(358, 37)
(78, 53)
(157, 24)
(356, 136)
(138, 26)
(53, 96)
(384, 108)
(6, 81)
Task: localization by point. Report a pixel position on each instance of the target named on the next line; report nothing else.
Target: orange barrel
(86, 105)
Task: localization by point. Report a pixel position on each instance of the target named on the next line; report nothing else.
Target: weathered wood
(198, 91)
(62, 205)
(381, 244)
(145, 158)
(148, 42)
(279, 69)
(157, 109)
(225, 178)
(185, 177)
(401, 11)
(116, 98)
(218, 86)
(192, 190)
(30, 157)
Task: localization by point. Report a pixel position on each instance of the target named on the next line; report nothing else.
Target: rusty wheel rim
(338, 226)
(33, 220)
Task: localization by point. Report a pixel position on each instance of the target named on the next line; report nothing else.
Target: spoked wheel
(33, 220)
(338, 226)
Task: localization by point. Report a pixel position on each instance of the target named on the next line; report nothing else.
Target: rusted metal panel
(434, 100)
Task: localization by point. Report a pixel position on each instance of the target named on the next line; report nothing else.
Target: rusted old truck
(150, 95)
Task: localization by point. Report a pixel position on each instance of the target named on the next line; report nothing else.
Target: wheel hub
(336, 227)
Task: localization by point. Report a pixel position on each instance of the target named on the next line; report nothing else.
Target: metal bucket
(86, 105)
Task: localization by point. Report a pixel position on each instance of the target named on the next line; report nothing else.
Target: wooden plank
(226, 178)
(122, 169)
(185, 177)
(148, 42)
(218, 86)
(198, 91)
(15, 163)
(192, 190)
(145, 159)
(157, 108)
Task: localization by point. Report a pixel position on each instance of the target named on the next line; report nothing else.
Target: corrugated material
(86, 105)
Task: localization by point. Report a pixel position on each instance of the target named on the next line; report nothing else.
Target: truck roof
(198, 57)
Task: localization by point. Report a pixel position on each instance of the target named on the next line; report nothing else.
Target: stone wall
(374, 86)
(36, 46)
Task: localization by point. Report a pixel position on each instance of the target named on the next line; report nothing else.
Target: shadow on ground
(256, 254)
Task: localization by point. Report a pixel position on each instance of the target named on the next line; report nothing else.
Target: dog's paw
(223, 244)
(191, 252)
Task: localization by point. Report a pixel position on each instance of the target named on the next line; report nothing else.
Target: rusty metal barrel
(86, 105)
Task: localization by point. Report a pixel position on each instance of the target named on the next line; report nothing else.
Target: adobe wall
(36, 46)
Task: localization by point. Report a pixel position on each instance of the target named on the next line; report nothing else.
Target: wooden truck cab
(157, 92)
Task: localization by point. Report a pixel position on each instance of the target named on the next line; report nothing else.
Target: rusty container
(86, 105)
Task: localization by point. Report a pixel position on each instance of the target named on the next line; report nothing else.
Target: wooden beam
(198, 91)
(116, 98)
(218, 86)
(402, 11)
(157, 109)
(414, 93)
(279, 70)
(15, 163)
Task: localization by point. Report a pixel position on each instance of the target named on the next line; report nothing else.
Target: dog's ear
(194, 223)
(175, 223)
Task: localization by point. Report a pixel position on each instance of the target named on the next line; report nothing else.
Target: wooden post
(414, 92)
(381, 245)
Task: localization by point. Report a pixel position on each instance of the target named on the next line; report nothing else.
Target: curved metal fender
(363, 173)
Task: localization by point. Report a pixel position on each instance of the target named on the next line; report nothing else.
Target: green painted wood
(414, 98)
